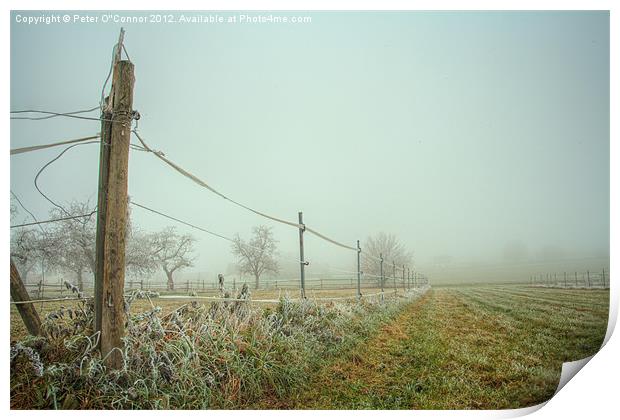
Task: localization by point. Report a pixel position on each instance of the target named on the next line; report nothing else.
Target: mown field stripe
(563, 338)
(589, 304)
(524, 304)
(593, 297)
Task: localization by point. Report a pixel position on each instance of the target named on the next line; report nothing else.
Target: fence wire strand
(48, 145)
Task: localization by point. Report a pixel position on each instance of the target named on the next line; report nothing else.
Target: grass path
(455, 349)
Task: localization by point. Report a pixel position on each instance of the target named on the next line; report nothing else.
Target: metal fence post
(302, 261)
(575, 279)
(359, 274)
(408, 279)
(394, 275)
(382, 280)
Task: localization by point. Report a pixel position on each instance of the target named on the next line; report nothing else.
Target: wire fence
(582, 280)
(400, 278)
(51, 290)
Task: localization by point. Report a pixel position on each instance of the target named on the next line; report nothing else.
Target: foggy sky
(460, 132)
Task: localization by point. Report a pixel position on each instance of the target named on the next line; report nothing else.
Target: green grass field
(489, 347)
(478, 347)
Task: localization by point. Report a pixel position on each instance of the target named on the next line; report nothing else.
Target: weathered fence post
(26, 310)
(588, 271)
(302, 261)
(112, 215)
(359, 273)
(603, 278)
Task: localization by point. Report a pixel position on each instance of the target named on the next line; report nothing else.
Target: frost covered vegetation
(218, 355)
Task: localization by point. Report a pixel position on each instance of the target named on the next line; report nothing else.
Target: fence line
(230, 299)
(21, 302)
(571, 279)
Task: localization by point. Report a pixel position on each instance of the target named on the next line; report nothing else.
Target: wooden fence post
(112, 219)
(26, 310)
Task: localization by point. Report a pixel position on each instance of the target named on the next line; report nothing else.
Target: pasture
(478, 347)
(484, 347)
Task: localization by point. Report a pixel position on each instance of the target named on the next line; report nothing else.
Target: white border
(592, 394)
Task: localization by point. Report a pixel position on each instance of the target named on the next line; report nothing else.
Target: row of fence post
(303, 263)
(585, 279)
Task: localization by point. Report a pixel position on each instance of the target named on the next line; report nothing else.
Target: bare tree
(76, 240)
(257, 256)
(29, 246)
(393, 252)
(172, 252)
(139, 254)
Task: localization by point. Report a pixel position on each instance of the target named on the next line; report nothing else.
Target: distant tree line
(68, 246)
